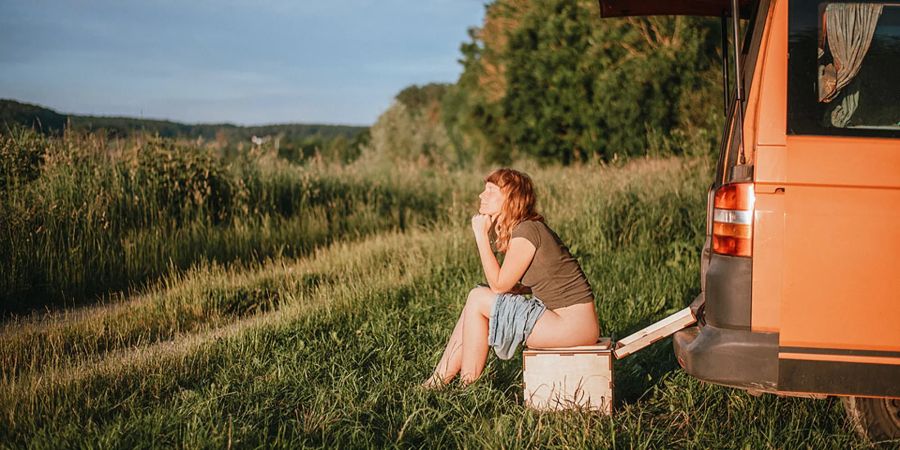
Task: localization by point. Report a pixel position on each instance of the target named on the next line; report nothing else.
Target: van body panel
(825, 161)
(768, 254)
(759, 97)
(770, 118)
(771, 171)
(841, 278)
(771, 115)
(843, 161)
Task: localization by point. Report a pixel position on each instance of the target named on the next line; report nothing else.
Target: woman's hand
(481, 225)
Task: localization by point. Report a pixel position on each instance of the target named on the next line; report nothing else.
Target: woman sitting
(559, 314)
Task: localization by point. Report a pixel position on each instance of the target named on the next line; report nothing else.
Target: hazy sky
(239, 61)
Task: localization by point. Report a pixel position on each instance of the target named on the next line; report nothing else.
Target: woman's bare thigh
(566, 327)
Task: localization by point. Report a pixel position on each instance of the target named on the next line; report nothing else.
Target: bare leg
(451, 360)
(475, 333)
(476, 311)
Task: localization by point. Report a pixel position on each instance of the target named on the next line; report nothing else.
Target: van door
(840, 180)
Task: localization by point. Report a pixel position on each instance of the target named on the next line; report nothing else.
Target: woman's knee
(479, 294)
(480, 301)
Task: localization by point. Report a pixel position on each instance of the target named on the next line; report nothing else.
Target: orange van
(800, 273)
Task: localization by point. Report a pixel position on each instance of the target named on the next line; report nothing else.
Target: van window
(844, 61)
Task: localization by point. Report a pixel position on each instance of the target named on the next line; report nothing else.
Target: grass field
(325, 348)
(82, 215)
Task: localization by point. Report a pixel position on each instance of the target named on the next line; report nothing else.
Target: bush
(21, 156)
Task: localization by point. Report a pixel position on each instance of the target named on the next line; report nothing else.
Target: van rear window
(844, 68)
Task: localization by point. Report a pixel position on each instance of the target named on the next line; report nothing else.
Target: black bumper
(736, 358)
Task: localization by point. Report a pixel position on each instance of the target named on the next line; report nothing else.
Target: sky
(246, 62)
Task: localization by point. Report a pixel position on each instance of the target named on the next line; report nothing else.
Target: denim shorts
(512, 318)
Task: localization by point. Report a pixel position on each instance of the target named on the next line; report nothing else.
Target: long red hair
(520, 204)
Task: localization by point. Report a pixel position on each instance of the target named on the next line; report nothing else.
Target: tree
(553, 80)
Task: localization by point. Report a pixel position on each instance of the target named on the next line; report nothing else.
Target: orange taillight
(733, 219)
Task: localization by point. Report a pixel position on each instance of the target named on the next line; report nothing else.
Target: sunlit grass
(327, 349)
(81, 216)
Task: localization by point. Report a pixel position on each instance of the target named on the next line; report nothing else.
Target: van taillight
(732, 232)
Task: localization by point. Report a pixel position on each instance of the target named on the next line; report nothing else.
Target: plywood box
(569, 377)
(655, 332)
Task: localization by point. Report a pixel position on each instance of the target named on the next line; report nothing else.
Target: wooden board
(570, 377)
(602, 344)
(655, 332)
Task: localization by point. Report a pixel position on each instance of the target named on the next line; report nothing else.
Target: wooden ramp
(655, 332)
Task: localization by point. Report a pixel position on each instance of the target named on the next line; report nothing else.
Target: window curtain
(840, 112)
(849, 29)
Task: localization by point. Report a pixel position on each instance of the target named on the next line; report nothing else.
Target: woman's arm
(518, 256)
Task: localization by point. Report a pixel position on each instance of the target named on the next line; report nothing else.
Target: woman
(559, 314)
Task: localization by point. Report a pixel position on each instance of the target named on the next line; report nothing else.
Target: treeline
(294, 142)
(551, 80)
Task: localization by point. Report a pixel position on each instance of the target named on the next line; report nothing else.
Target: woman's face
(492, 199)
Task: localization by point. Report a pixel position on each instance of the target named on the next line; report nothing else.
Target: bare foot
(466, 381)
(433, 382)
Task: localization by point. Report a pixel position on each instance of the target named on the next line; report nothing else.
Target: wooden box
(569, 377)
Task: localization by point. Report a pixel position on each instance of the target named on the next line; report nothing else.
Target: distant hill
(52, 122)
(47, 120)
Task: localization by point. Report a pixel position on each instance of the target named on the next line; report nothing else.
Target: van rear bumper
(737, 358)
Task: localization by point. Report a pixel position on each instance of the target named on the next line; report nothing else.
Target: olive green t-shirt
(554, 275)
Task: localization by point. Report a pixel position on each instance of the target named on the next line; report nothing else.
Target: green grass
(326, 349)
(81, 216)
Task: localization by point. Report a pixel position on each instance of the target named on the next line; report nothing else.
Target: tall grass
(326, 350)
(81, 216)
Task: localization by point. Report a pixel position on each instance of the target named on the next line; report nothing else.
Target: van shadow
(638, 373)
